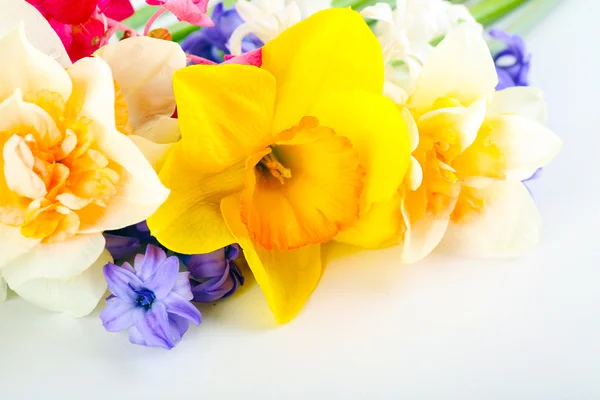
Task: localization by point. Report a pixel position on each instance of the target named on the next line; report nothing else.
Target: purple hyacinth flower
(215, 274)
(150, 299)
(212, 42)
(121, 246)
(513, 62)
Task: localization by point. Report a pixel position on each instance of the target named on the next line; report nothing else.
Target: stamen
(275, 168)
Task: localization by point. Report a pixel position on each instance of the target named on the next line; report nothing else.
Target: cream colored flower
(407, 35)
(472, 148)
(66, 172)
(143, 68)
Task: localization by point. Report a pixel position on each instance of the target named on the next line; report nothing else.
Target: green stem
(181, 30)
(141, 16)
(487, 12)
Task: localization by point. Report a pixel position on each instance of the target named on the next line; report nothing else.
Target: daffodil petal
(139, 190)
(190, 220)
(77, 296)
(460, 66)
(508, 147)
(287, 278)
(465, 121)
(318, 198)
(144, 69)
(155, 153)
(3, 289)
(333, 50)
(524, 101)
(377, 131)
(423, 230)
(60, 260)
(28, 68)
(13, 244)
(507, 224)
(379, 227)
(162, 130)
(225, 113)
(38, 31)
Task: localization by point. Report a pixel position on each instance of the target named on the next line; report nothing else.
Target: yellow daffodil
(285, 157)
(66, 172)
(472, 148)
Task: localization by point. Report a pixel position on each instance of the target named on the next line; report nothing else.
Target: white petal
(61, 260)
(411, 127)
(26, 68)
(140, 191)
(3, 289)
(527, 102)
(13, 244)
(163, 130)
(414, 174)
(144, 67)
(525, 144)
(155, 153)
(421, 236)
(379, 12)
(77, 296)
(237, 36)
(460, 66)
(37, 29)
(464, 121)
(508, 224)
(18, 169)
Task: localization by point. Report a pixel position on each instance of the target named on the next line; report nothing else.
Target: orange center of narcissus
(53, 175)
(304, 189)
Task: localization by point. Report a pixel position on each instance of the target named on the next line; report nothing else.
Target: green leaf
(486, 12)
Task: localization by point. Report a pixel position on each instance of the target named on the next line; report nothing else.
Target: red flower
(80, 24)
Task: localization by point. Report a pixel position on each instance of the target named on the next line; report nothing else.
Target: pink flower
(80, 24)
(192, 11)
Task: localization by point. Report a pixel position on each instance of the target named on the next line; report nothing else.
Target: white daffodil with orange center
(472, 147)
(284, 157)
(66, 172)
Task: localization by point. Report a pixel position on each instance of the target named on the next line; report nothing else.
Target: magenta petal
(71, 12)
(164, 278)
(120, 282)
(192, 11)
(116, 9)
(153, 326)
(118, 315)
(253, 57)
(179, 306)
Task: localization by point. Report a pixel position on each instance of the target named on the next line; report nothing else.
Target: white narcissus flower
(406, 35)
(143, 68)
(475, 147)
(66, 173)
(268, 18)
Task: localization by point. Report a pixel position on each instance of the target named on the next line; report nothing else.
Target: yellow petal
(316, 198)
(190, 221)
(287, 278)
(155, 153)
(144, 69)
(225, 113)
(377, 131)
(379, 227)
(333, 50)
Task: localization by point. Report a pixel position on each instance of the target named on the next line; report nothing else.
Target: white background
(374, 329)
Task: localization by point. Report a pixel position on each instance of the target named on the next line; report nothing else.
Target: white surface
(441, 329)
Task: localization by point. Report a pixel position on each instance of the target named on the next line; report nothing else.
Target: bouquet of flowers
(169, 164)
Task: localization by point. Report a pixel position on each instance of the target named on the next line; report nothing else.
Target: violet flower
(215, 274)
(211, 43)
(151, 300)
(124, 242)
(512, 63)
